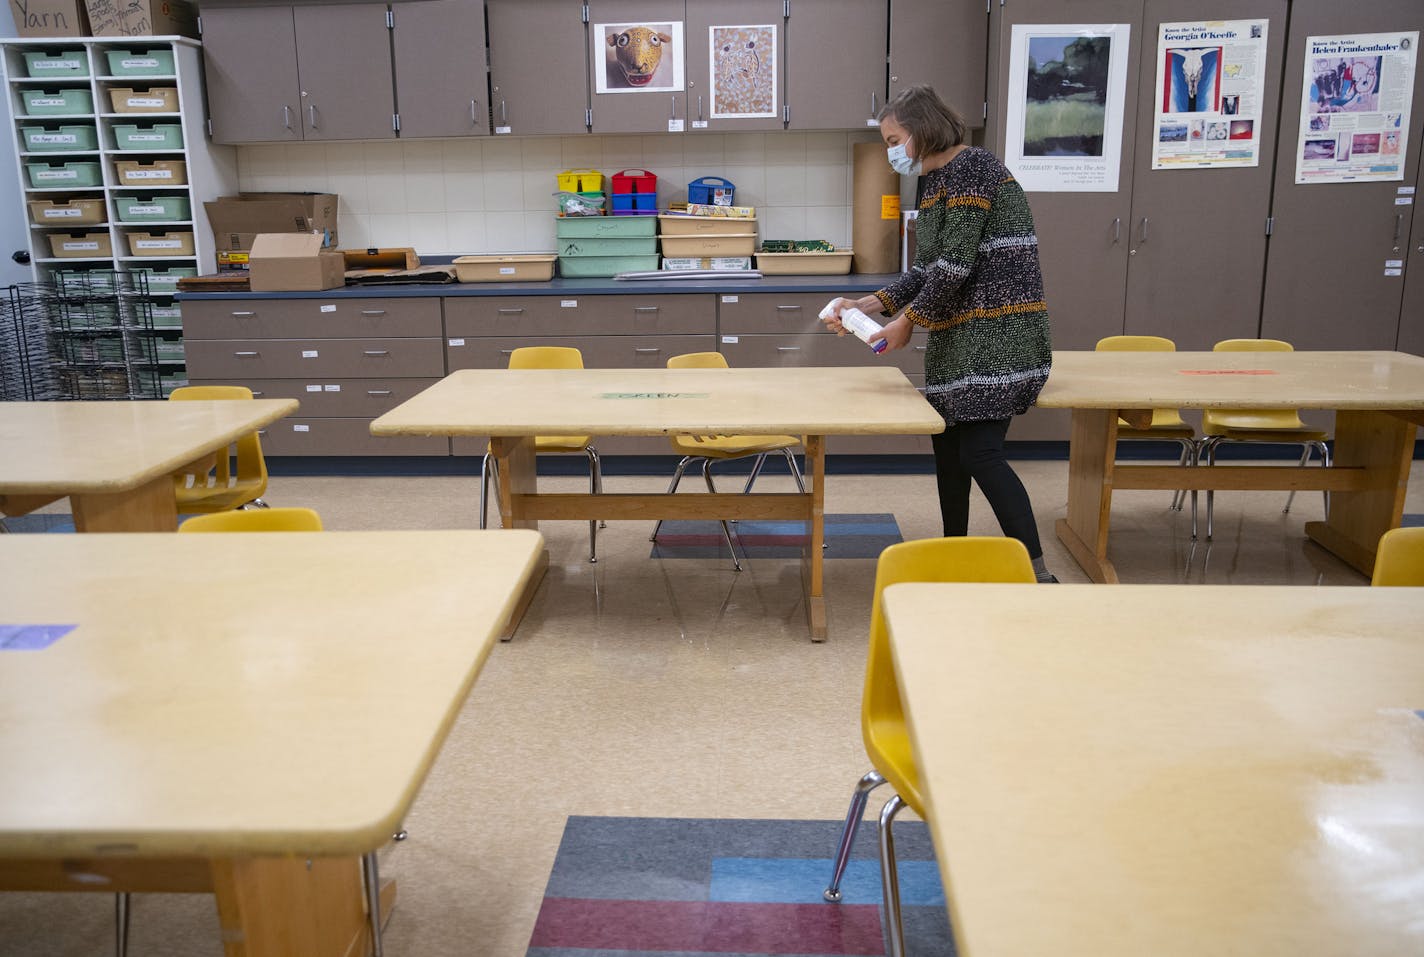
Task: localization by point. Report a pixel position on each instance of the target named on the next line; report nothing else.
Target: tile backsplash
(495, 194)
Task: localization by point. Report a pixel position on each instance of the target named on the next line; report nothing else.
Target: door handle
(788, 348)
(287, 117)
(647, 350)
(373, 312)
(1143, 230)
(874, 104)
(503, 114)
(510, 310)
(788, 308)
(377, 352)
(473, 117)
(699, 107)
(1117, 230)
(311, 112)
(645, 308)
(1398, 225)
(378, 391)
(245, 314)
(245, 354)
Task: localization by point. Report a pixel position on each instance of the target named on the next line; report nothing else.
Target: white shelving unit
(142, 339)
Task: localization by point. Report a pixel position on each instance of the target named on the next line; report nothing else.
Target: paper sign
(730, 340)
(328, 308)
(890, 207)
(309, 354)
(699, 124)
(674, 126)
(314, 388)
(1405, 191)
(1404, 200)
(568, 303)
(1394, 272)
(729, 298)
(301, 428)
(1394, 264)
(502, 130)
(457, 342)
(331, 388)
(31, 637)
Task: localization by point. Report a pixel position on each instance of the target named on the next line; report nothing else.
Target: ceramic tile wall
(494, 195)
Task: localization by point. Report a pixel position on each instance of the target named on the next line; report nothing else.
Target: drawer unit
(599, 352)
(815, 349)
(312, 360)
(300, 435)
(771, 312)
(311, 318)
(335, 398)
(579, 316)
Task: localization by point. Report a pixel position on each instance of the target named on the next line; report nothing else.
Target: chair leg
(890, 878)
(672, 487)
(1305, 450)
(487, 467)
(595, 486)
(795, 470)
(121, 924)
(372, 877)
(756, 470)
(858, 797)
(1180, 495)
(1325, 464)
(726, 530)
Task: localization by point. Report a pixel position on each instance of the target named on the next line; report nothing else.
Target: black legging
(976, 450)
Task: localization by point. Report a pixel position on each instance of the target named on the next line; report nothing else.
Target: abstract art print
(744, 70)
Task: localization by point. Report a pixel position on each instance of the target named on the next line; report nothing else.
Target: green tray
(644, 246)
(57, 102)
(150, 136)
(65, 138)
(64, 175)
(606, 227)
(47, 63)
(589, 267)
(140, 62)
(152, 209)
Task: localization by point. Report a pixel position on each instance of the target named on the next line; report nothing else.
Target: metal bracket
(1270, 224)
(395, 122)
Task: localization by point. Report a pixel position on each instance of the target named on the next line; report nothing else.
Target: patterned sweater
(976, 285)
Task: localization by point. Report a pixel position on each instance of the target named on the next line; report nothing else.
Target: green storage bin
(82, 282)
(164, 282)
(57, 102)
(148, 136)
(140, 62)
(64, 175)
(168, 316)
(46, 63)
(153, 209)
(64, 138)
(576, 246)
(591, 267)
(606, 227)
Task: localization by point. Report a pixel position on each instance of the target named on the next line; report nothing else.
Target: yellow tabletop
(801, 401)
(1234, 380)
(234, 695)
(66, 448)
(1161, 770)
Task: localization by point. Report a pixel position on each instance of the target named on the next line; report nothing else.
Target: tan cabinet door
(344, 64)
(250, 66)
(441, 79)
(835, 63)
(538, 66)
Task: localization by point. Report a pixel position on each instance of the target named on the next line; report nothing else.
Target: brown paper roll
(875, 213)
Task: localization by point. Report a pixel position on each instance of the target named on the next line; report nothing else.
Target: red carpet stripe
(714, 927)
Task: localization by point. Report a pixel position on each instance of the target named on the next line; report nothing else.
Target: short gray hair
(932, 123)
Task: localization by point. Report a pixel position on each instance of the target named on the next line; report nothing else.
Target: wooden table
(513, 406)
(228, 707)
(115, 460)
(1225, 770)
(1378, 398)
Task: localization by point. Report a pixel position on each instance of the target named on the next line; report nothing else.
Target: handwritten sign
(653, 395)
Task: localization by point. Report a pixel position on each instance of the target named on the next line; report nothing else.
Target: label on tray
(57, 174)
(47, 101)
(144, 210)
(149, 174)
(158, 244)
(63, 213)
(145, 101)
(146, 137)
(56, 64)
(54, 138)
(135, 62)
(78, 246)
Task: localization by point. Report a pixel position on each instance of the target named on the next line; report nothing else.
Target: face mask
(900, 161)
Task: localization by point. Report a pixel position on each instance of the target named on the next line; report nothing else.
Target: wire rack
(25, 368)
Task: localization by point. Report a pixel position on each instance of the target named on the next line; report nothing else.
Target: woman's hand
(870, 305)
(896, 334)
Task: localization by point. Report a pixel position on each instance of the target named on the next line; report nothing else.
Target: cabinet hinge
(588, 118)
(786, 113)
(210, 129)
(395, 122)
(1270, 224)
(390, 20)
(786, 9)
(986, 109)
(200, 25)
(585, 13)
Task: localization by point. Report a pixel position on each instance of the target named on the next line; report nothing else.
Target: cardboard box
(142, 18)
(293, 262)
(49, 18)
(237, 220)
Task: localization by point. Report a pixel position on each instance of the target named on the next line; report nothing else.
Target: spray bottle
(858, 323)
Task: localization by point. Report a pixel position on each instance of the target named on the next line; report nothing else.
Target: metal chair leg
(487, 465)
(121, 924)
(795, 470)
(858, 797)
(372, 876)
(726, 529)
(756, 470)
(595, 486)
(1325, 464)
(1210, 493)
(1305, 450)
(1180, 495)
(890, 878)
(672, 487)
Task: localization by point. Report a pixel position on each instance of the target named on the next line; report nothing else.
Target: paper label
(729, 340)
(76, 246)
(331, 388)
(57, 64)
(1394, 272)
(674, 126)
(1394, 264)
(328, 308)
(309, 353)
(457, 342)
(56, 174)
(1405, 191)
(699, 124)
(146, 137)
(314, 388)
(54, 138)
(158, 244)
(568, 303)
(502, 130)
(1404, 200)
(144, 210)
(46, 101)
(301, 428)
(145, 101)
(137, 62)
(890, 206)
(149, 174)
(729, 298)
(63, 213)
(506, 270)
(872, 121)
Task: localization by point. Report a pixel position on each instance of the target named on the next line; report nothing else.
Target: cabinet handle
(257, 394)
(244, 354)
(874, 105)
(377, 352)
(647, 350)
(510, 310)
(645, 308)
(506, 352)
(672, 114)
(1117, 230)
(1143, 233)
(699, 107)
(378, 391)
(245, 315)
(287, 117)
(921, 348)
(503, 114)
(473, 118)
(373, 312)
(788, 308)
(311, 112)
(1398, 224)
(788, 348)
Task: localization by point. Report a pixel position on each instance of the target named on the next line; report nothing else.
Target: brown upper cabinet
(835, 63)
(538, 66)
(637, 60)
(943, 43)
(442, 82)
(736, 65)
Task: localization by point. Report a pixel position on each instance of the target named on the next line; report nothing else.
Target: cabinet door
(1082, 237)
(740, 46)
(629, 106)
(1411, 316)
(1197, 237)
(1326, 286)
(344, 63)
(538, 66)
(250, 64)
(835, 63)
(441, 79)
(942, 43)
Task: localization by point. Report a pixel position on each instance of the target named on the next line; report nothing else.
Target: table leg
(279, 906)
(151, 507)
(516, 477)
(813, 558)
(1382, 445)
(1091, 450)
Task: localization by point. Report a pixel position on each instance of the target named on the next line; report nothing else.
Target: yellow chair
(219, 490)
(882, 717)
(1400, 559)
(1270, 426)
(716, 448)
(1167, 424)
(255, 520)
(547, 357)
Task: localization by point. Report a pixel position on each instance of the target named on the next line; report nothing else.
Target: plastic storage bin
(593, 246)
(635, 204)
(152, 209)
(634, 181)
(729, 244)
(47, 63)
(168, 316)
(158, 99)
(140, 62)
(76, 212)
(581, 181)
(149, 136)
(805, 264)
(157, 173)
(164, 282)
(57, 102)
(62, 138)
(588, 227)
(63, 175)
(593, 267)
(178, 242)
(90, 245)
(711, 190)
(672, 225)
(530, 267)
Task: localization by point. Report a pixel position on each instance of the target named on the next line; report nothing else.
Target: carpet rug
(847, 536)
(670, 887)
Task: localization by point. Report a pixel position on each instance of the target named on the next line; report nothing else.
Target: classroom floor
(647, 687)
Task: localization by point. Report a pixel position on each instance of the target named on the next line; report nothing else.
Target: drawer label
(568, 303)
(506, 270)
(331, 388)
(729, 298)
(729, 340)
(653, 395)
(149, 174)
(144, 211)
(309, 353)
(457, 342)
(145, 101)
(314, 388)
(63, 213)
(301, 428)
(328, 308)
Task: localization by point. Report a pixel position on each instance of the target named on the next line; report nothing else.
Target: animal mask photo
(638, 57)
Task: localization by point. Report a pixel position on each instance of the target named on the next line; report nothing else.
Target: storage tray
(581, 181)
(60, 102)
(91, 245)
(47, 63)
(703, 225)
(157, 173)
(604, 227)
(152, 209)
(64, 175)
(178, 242)
(804, 264)
(725, 244)
(158, 99)
(140, 62)
(132, 137)
(528, 267)
(76, 212)
(594, 267)
(63, 138)
(164, 282)
(638, 246)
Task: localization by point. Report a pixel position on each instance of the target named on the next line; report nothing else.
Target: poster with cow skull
(639, 57)
(1212, 77)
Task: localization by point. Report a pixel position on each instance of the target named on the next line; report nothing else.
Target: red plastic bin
(634, 181)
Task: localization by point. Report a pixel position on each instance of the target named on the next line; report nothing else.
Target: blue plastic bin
(711, 191)
(624, 203)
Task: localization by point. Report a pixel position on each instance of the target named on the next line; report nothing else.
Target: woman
(976, 286)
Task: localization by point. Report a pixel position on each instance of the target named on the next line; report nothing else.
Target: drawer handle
(921, 348)
(244, 354)
(645, 308)
(510, 311)
(373, 312)
(788, 308)
(378, 391)
(261, 431)
(652, 349)
(377, 352)
(256, 394)
(506, 352)
(245, 315)
(788, 348)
